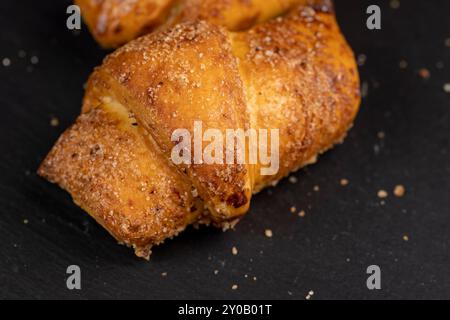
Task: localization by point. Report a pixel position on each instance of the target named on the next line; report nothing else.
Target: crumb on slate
(316, 188)
(403, 64)
(234, 287)
(6, 62)
(293, 209)
(395, 4)
(364, 89)
(268, 233)
(310, 295)
(447, 87)
(362, 58)
(34, 60)
(406, 238)
(399, 191)
(302, 214)
(424, 73)
(382, 194)
(344, 182)
(293, 179)
(54, 121)
(234, 251)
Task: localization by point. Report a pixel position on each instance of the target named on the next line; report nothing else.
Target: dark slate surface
(344, 231)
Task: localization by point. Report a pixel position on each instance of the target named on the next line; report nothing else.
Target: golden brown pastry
(116, 22)
(295, 73)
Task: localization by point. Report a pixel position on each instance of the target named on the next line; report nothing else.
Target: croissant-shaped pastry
(116, 22)
(295, 73)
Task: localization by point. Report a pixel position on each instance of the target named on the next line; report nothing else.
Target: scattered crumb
(316, 188)
(254, 278)
(164, 274)
(364, 89)
(447, 87)
(406, 238)
(293, 209)
(6, 62)
(395, 4)
(54, 121)
(302, 214)
(424, 73)
(403, 64)
(216, 272)
(25, 221)
(382, 194)
(348, 260)
(447, 42)
(234, 251)
(34, 60)
(362, 58)
(234, 287)
(376, 149)
(293, 179)
(310, 295)
(381, 135)
(399, 191)
(268, 233)
(344, 182)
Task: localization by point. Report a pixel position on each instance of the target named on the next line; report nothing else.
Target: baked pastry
(116, 22)
(294, 73)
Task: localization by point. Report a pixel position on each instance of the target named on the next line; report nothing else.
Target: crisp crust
(169, 81)
(107, 166)
(116, 22)
(300, 76)
(296, 74)
(237, 15)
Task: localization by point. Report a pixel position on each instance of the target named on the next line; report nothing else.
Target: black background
(345, 230)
